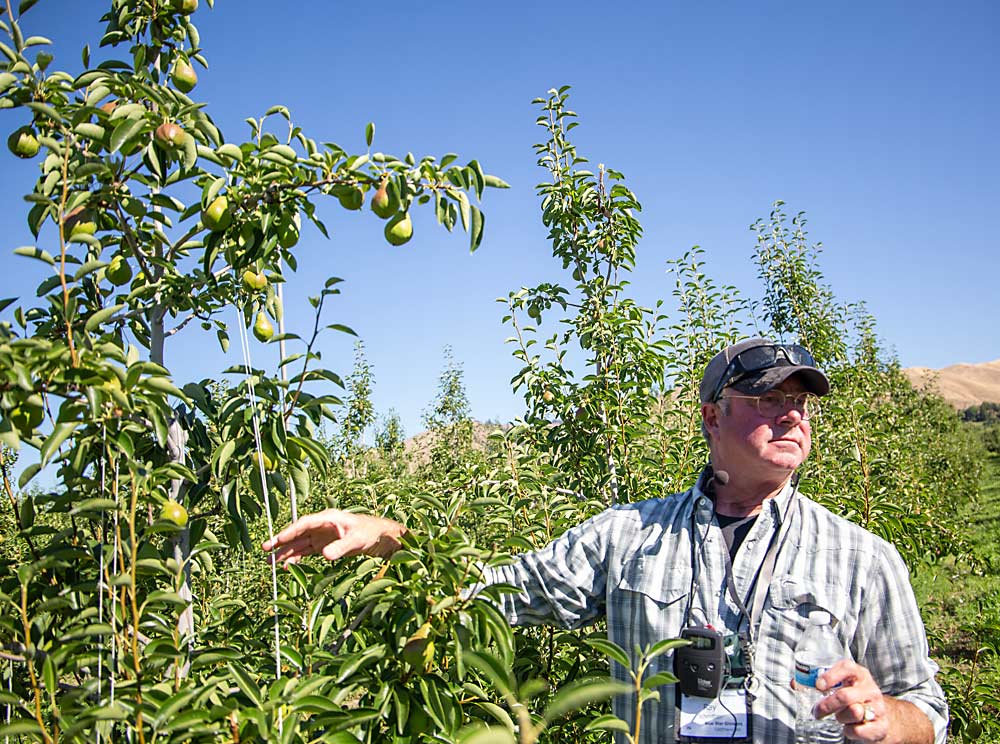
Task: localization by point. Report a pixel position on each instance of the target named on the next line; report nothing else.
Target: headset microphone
(721, 477)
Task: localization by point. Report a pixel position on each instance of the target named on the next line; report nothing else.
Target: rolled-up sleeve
(564, 582)
(892, 644)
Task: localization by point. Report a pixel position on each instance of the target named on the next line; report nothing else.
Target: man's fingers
(852, 714)
(344, 548)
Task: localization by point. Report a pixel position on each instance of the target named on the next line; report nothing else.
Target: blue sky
(877, 119)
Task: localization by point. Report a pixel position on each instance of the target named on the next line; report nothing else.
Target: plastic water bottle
(817, 650)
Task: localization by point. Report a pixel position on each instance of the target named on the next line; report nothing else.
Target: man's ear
(710, 413)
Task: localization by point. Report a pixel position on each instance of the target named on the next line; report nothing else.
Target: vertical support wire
(10, 689)
(255, 417)
(101, 586)
(282, 394)
(113, 665)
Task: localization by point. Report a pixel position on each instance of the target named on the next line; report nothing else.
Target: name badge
(723, 718)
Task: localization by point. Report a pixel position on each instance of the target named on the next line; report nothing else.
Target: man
(742, 551)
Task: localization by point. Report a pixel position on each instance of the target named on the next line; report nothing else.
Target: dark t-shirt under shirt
(735, 530)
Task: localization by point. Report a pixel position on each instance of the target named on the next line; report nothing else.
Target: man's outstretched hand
(336, 534)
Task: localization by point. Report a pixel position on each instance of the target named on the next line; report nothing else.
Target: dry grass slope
(962, 385)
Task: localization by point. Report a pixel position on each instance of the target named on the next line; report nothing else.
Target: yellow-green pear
(254, 281)
(399, 229)
(418, 651)
(118, 272)
(262, 328)
(216, 216)
(174, 512)
(351, 198)
(23, 143)
(183, 76)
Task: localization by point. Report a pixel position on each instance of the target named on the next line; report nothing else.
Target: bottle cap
(819, 617)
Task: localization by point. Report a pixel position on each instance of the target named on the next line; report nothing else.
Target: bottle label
(806, 676)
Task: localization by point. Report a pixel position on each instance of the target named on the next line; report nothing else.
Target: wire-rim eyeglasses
(775, 403)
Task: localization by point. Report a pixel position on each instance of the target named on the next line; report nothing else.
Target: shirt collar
(778, 505)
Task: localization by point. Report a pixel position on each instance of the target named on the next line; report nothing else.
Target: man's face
(749, 445)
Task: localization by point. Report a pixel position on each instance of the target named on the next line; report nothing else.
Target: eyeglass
(775, 403)
(761, 357)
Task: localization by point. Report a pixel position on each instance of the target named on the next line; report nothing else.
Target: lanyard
(762, 578)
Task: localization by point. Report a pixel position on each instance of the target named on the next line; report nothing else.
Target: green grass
(960, 600)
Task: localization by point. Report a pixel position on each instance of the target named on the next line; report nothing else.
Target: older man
(743, 556)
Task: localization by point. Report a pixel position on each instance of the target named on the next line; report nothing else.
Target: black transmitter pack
(701, 668)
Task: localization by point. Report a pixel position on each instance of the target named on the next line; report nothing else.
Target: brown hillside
(962, 385)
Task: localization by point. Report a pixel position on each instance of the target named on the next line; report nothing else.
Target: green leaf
(300, 477)
(657, 680)
(127, 129)
(231, 151)
(45, 110)
(49, 673)
(190, 152)
(59, 435)
(317, 704)
(610, 649)
(370, 133)
(33, 252)
(98, 319)
(579, 694)
(607, 722)
(29, 472)
(494, 669)
(163, 385)
(463, 205)
(285, 152)
(476, 234)
(94, 505)
(486, 735)
(358, 661)
(665, 645)
(342, 329)
(21, 727)
(480, 179)
(245, 682)
(496, 183)
(212, 190)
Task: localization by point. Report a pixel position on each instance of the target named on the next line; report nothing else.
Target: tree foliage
(121, 620)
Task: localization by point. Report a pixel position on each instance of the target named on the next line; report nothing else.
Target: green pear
(262, 328)
(171, 511)
(216, 216)
(399, 229)
(118, 271)
(183, 76)
(23, 143)
(351, 198)
(418, 651)
(254, 281)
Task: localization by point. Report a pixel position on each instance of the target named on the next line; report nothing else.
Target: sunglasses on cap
(760, 358)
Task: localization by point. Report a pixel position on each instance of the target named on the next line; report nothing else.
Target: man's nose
(792, 414)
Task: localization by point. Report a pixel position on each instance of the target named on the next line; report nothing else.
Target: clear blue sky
(879, 120)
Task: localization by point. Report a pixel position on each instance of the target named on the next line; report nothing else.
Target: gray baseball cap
(756, 365)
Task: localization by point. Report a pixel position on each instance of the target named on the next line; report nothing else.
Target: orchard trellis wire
(262, 471)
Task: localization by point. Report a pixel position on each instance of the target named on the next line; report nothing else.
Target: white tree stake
(255, 417)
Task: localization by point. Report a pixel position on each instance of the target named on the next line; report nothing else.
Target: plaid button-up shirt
(632, 565)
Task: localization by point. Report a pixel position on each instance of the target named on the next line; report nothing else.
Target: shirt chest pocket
(648, 602)
(794, 597)
(655, 580)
